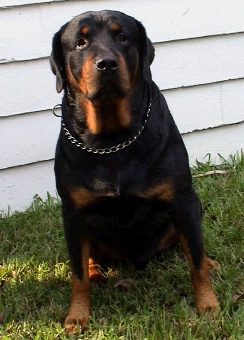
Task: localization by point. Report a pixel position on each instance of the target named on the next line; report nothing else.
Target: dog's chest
(113, 182)
(106, 188)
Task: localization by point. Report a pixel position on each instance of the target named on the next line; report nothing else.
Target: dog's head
(101, 54)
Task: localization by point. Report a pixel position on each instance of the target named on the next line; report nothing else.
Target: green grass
(35, 276)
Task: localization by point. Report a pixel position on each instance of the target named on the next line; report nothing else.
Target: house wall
(199, 66)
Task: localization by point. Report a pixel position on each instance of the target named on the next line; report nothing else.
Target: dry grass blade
(238, 297)
(124, 284)
(212, 172)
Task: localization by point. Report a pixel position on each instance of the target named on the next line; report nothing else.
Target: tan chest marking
(163, 192)
(82, 197)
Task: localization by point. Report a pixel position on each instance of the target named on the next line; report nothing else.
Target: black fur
(121, 217)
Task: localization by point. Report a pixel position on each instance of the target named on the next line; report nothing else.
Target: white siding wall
(199, 65)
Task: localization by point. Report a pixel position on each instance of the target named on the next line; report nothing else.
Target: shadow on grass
(33, 290)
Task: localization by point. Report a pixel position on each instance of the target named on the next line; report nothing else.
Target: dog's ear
(57, 59)
(147, 52)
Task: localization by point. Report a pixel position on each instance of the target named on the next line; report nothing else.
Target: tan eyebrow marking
(85, 30)
(116, 27)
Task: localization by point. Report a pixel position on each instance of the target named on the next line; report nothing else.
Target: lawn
(159, 302)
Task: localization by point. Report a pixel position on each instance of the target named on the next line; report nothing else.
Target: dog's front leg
(187, 221)
(78, 247)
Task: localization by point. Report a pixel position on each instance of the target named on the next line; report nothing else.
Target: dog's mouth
(107, 91)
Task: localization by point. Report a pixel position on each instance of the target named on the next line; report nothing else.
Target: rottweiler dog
(121, 166)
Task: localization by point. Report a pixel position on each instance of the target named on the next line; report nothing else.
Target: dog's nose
(107, 64)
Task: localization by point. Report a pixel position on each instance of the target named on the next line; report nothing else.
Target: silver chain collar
(114, 148)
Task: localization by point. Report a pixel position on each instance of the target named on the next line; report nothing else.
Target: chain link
(114, 148)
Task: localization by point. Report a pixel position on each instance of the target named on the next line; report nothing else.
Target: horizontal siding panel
(11, 3)
(177, 64)
(19, 185)
(28, 138)
(226, 141)
(164, 20)
(232, 99)
(195, 108)
(207, 106)
(23, 34)
(198, 61)
(28, 87)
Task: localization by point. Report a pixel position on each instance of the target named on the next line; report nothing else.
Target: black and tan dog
(121, 166)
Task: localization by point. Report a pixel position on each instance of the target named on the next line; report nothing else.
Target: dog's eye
(121, 38)
(81, 43)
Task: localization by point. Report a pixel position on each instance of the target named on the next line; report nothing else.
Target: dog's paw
(209, 305)
(213, 265)
(76, 322)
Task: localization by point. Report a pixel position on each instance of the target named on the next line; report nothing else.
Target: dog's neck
(105, 117)
(98, 118)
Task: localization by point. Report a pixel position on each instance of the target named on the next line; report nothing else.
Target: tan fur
(206, 299)
(79, 311)
(107, 117)
(168, 241)
(84, 30)
(164, 192)
(81, 197)
(116, 27)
